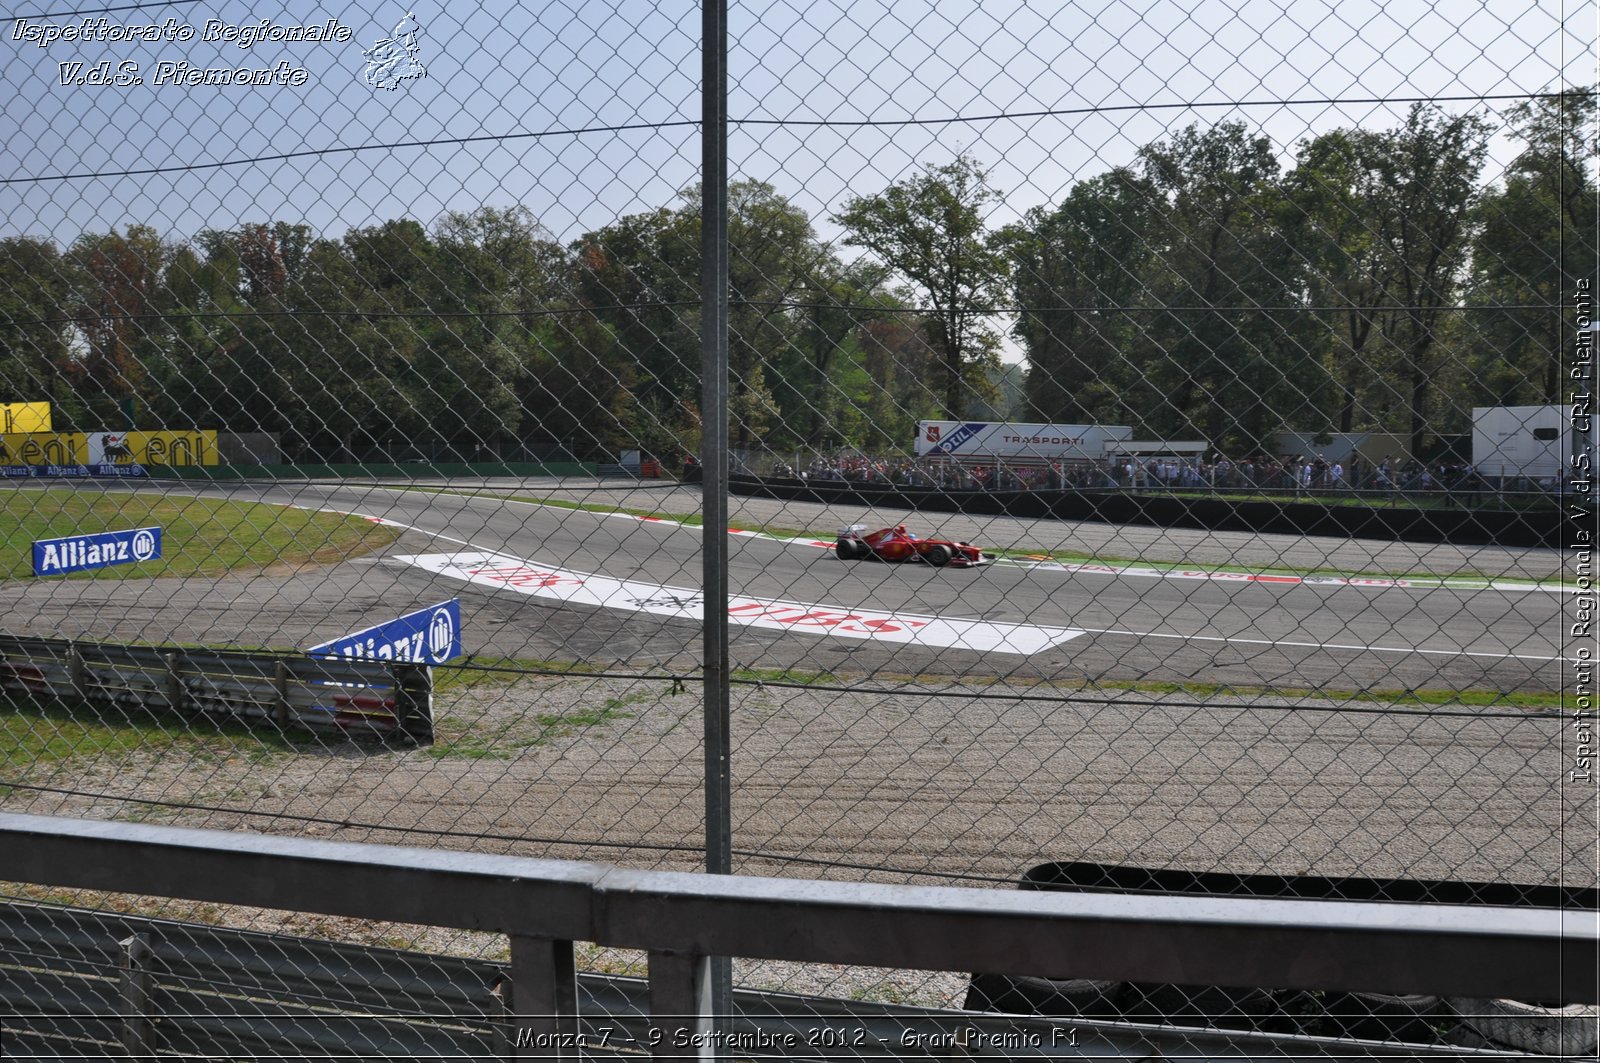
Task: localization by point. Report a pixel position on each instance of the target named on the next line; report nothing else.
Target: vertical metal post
(134, 990)
(714, 461)
(413, 701)
(280, 694)
(77, 674)
(174, 682)
(544, 999)
(684, 1025)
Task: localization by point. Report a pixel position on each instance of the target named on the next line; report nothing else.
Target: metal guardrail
(75, 982)
(682, 920)
(314, 694)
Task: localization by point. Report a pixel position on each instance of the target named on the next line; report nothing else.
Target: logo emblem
(115, 448)
(394, 59)
(144, 545)
(441, 635)
(933, 433)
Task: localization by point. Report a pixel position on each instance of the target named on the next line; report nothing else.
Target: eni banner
(109, 448)
(44, 448)
(24, 417)
(153, 448)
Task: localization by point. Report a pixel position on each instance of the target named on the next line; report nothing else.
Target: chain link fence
(1218, 374)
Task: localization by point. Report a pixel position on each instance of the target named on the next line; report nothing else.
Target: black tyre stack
(1373, 1016)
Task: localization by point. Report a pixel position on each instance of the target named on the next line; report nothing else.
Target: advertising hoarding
(969, 440)
(24, 417)
(427, 636)
(78, 553)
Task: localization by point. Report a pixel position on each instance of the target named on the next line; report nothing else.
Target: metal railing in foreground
(681, 920)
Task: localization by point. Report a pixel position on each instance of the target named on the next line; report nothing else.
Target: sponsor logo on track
(543, 581)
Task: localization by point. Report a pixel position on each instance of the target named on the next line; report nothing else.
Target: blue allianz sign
(427, 636)
(58, 471)
(76, 553)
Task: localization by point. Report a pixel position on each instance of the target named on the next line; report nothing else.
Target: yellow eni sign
(43, 448)
(24, 417)
(109, 448)
(153, 448)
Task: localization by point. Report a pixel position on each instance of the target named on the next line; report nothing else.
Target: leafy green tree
(641, 277)
(492, 268)
(932, 230)
(821, 384)
(116, 303)
(1344, 271)
(227, 299)
(1076, 271)
(1536, 241)
(773, 254)
(899, 364)
(35, 327)
(1420, 186)
(1223, 365)
(638, 281)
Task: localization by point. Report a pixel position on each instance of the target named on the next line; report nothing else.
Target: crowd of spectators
(1289, 473)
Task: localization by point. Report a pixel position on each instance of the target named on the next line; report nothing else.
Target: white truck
(1534, 443)
(989, 440)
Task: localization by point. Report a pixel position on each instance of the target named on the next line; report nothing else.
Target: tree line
(1206, 290)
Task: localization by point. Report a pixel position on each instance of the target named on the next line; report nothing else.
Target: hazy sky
(497, 69)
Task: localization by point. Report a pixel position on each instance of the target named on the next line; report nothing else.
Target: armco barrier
(1462, 527)
(216, 992)
(320, 695)
(681, 921)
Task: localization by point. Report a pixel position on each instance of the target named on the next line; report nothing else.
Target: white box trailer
(1528, 442)
(988, 440)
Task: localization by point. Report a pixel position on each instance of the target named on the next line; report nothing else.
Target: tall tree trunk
(1419, 400)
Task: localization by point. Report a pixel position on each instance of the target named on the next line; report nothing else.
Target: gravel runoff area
(914, 786)
(1128, 542)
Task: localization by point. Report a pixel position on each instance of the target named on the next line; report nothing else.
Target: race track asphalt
(1136, 628)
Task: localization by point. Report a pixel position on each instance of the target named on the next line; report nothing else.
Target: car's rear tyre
(938, 555)
(845, 549)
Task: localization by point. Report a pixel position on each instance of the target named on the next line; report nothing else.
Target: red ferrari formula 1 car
(897, 544)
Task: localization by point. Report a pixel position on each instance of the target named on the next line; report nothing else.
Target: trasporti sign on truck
(979, 440)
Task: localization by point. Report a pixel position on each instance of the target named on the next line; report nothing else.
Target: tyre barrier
(1412, 1018)
(1081, 998)
(1417, 1019)
(1550, 1030)
(1221, 1007)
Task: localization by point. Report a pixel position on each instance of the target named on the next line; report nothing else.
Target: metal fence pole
(134, 989)
(714, 459)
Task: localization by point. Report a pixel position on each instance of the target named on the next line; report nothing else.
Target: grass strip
(201, 536)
